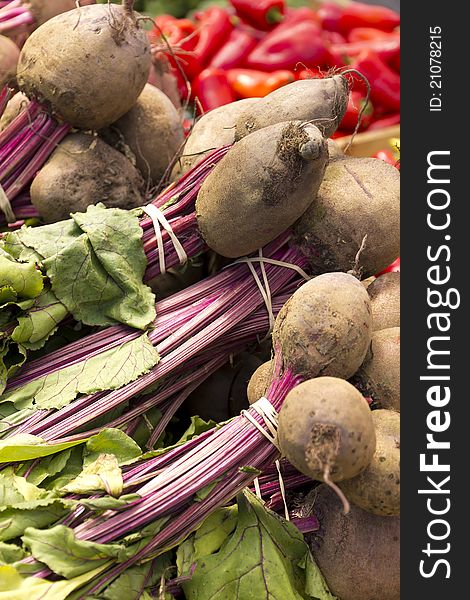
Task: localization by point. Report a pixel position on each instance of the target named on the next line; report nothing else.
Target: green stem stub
(274, 16)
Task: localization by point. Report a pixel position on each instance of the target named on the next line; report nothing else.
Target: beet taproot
(322, 102)
(384, 295)
(153, 131)
(214, 129)
(16, 104)
(259, 382)
(9, 55)
(43, 10)
(379, 375)
(325, 328)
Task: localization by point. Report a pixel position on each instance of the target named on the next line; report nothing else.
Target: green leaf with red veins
(109, 503)
(9, 553)
(23, 447)
(16, 490)
(132, 583)
(23, 504)
(12, 357)
(207, 539)
(38, 513)
(48, 466)
(23, 278)
(111, 441)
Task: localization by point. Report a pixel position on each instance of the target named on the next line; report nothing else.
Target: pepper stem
(274, 16)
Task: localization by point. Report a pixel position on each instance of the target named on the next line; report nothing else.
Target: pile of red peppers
(256, 46)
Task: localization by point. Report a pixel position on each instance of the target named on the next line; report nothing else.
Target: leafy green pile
(90, 266)
(240, 551)
(35, 496)
(95, 262)
(248, 551)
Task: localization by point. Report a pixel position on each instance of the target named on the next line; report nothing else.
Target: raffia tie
(159, 220)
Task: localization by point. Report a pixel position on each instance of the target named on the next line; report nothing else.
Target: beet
(88, 65)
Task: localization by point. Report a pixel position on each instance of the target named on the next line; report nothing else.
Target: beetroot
(89, 65)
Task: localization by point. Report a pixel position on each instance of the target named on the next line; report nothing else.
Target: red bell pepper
(181, 36)
(386, 48)
(262, 14)
(387, 156)
(337, 59)
(311, 74)
(333, 37)
(357, 14)
(214, 26)
(238, 46)
(300, 15)
(384, 83)
(175, 30)
(355, 105)
(388, 121)
(160, 22)
(395, 63)
(337, 134)
(288, 45)
(248, 83)
(329, 14)
(395, 266)
(212, 89)
(362, 34)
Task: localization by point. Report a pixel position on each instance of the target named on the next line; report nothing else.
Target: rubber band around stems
(283, 490)
(5, 206)
(257, 488)
(159, 220)
(271, 419)
(263, 407)
(265, 290)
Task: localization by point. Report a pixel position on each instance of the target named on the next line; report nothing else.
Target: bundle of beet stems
(228, 458)
(173, 391)
(194, 212)
(27, 142)
(22, 16)
(192, 373)
(25, 145)
(187, 324)
(268, 486)
(14, 16)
